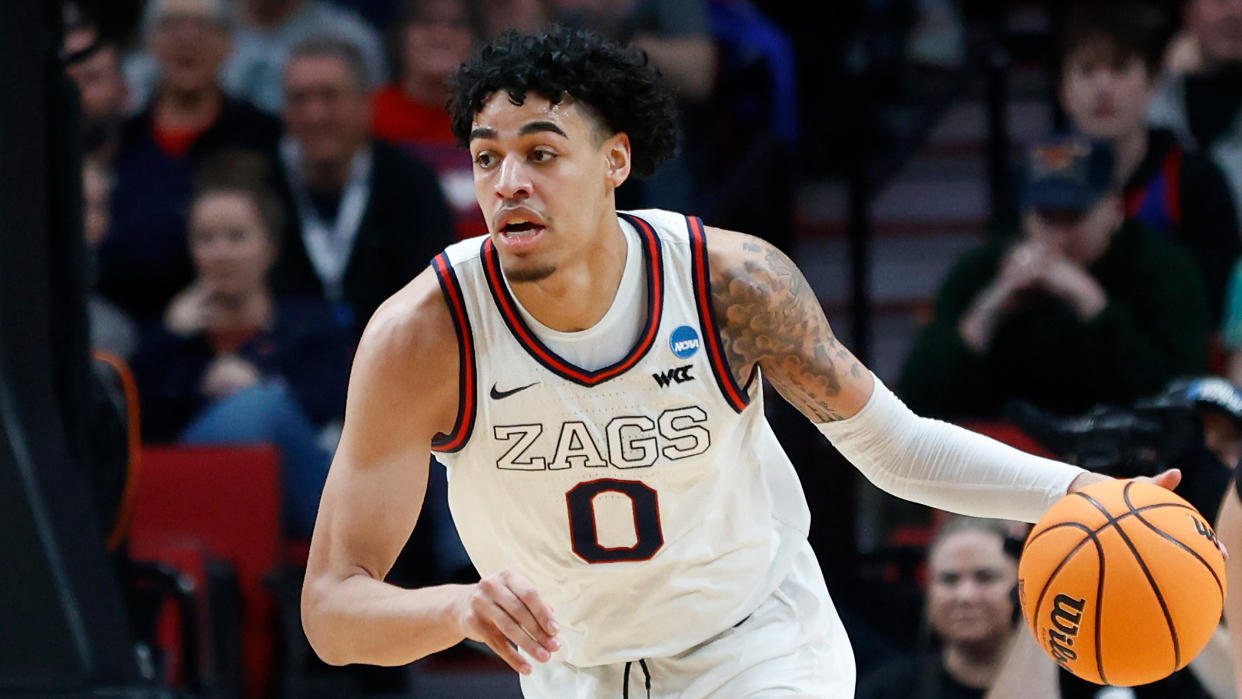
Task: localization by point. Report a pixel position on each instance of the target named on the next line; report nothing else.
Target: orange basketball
(1122, 583)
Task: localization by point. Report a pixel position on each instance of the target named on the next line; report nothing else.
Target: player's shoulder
(733, 254)
(414, 324)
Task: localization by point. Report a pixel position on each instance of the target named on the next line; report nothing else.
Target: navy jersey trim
(737, 398)
(467, 393)
(507, 306)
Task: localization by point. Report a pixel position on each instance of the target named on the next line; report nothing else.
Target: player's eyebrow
(526, 130)
(539, 126)
(482, 132)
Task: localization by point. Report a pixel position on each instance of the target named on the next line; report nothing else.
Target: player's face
(969, 600)
(231, 249)
(544, 175)
(1103, 96)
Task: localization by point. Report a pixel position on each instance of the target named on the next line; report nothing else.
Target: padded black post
(63, 629)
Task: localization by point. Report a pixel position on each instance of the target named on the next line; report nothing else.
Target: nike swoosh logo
(497, 395)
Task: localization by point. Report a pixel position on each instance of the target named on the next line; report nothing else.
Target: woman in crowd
(232, 363)
(972, 574)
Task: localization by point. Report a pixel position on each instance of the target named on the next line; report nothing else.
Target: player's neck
(581, 291)
(975, 665)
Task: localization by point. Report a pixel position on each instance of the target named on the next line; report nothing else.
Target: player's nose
(512, 179)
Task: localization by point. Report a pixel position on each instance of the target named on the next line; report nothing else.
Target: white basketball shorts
(792, 645)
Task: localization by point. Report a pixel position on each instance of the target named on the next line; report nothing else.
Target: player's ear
(617, 158)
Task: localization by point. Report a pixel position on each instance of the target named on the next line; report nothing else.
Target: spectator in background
(95, 66)
(1110, 61)
(523, 16)
(677, 35)
(269, 31)
(430, 39)
(970, 607)
(1204, 109)
(110, 329)
(234, 363)
(1085, 307)
(143, 261)
(368, 217)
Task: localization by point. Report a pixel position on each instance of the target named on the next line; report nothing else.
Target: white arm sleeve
(946, 466)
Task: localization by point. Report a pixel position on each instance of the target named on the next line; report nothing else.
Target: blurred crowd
(260, 175)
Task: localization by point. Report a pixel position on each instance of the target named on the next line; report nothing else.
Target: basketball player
(592, 380)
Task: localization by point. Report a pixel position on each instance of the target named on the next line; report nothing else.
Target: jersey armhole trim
(733, 394)
(466, 385)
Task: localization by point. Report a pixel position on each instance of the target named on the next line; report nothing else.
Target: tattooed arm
(769, 317)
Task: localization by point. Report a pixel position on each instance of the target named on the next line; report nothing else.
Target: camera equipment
(1140, 440)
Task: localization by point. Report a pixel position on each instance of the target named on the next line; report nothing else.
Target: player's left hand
(1168, 478)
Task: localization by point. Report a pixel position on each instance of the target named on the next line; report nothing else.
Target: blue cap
(1070, 173)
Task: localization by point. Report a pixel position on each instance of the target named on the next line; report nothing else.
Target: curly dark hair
(617, 83)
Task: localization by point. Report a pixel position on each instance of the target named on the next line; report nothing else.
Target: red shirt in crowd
(425, 130)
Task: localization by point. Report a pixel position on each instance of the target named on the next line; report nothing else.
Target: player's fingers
(515, 632)
(500, 646)
(538, 609)
(525, 620)
(1167, 479)
(496, 604)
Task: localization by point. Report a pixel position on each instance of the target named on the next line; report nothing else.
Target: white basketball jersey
(648, 501)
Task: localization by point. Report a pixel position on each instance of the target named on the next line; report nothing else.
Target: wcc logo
(684, 342)
(680, 374)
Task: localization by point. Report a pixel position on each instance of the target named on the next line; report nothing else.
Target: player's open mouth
(519, 233)
(521, 230)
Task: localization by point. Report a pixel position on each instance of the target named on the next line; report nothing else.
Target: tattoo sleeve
(769, 316)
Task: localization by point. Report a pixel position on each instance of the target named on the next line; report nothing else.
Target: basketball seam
(1220, 585)
(1164, 607)
(1039, 602)
(1144, 508)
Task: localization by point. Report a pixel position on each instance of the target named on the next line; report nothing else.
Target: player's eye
(485, 159)
(541, 155)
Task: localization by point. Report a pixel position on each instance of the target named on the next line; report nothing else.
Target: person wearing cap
(1110, 70)
(1082, 306)
(144, 260)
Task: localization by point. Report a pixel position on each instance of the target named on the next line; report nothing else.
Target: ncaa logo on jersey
(684, 342)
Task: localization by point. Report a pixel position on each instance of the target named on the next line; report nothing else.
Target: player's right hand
(502, 609)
